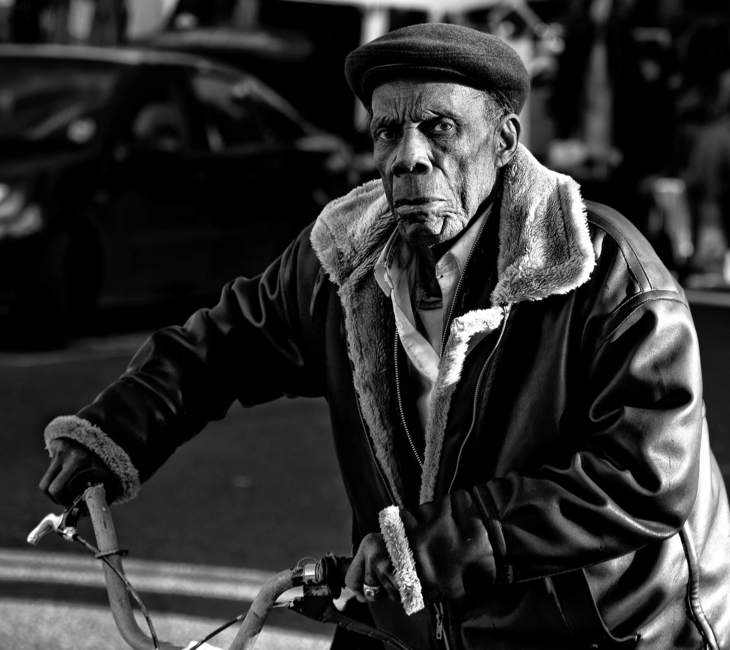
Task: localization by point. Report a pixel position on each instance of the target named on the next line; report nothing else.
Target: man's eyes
(385, 134)
(440, 126)
(437, 126)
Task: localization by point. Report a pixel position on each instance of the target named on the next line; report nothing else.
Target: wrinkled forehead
(418, 99)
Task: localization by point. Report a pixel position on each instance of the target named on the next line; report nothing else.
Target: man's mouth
(417, 208)
(416, 201)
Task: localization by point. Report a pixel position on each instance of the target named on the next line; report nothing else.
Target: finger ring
(370, 591)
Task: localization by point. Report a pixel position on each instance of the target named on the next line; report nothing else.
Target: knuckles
(371, 544)
(69, 460)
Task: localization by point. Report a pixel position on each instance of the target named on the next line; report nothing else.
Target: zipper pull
(439, 622)
(440, 629)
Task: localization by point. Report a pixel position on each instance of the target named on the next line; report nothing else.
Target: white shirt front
(395, 272)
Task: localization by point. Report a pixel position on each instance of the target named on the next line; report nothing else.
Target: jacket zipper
(438, 608)
(439, 613)
(441, 635)
(482, 372)
(400, 403)
(444, 336)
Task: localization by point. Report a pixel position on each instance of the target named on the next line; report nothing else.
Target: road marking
(28, 624)
(229, 583)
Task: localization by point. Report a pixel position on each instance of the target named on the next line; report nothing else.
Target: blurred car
(135, 176)
(286, 59)
(303, 64)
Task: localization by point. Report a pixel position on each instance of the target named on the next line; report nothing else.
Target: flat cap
(439, 51)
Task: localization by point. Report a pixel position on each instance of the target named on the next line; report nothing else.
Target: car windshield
(52, 102)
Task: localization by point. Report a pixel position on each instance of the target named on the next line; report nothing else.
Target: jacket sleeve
(254, 345)
(630, 479)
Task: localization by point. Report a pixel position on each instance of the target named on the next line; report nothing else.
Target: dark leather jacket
(568, 497)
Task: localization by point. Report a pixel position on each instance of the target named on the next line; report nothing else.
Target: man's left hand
(371, 575)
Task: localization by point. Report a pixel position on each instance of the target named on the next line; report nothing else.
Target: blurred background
(151, 150)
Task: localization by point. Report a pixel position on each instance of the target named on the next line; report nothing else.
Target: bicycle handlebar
(259, 610)
(325, 576)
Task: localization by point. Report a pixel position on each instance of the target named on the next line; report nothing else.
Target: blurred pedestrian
(704, 144)
(512, 374)
(707, 175)
(612, 102)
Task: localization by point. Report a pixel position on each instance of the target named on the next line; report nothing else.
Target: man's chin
(429, 230)
(420, 233)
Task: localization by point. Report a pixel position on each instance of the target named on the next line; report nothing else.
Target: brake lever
(64, 524)
(50, 523)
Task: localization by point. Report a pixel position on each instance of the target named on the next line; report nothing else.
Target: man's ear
(508, 137)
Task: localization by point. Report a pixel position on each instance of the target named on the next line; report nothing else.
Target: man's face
(433, 145)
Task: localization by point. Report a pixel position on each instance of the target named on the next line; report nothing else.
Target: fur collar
(544, 249)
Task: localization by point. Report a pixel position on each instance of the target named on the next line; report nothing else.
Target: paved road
(251, 495)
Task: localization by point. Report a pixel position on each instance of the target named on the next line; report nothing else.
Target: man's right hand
(72, 468)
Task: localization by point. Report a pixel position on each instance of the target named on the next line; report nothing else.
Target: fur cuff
(394, 533)
(96, 441)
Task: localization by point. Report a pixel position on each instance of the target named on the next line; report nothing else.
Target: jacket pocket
(581, 615)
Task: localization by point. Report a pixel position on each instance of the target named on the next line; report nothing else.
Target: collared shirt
(396, 273)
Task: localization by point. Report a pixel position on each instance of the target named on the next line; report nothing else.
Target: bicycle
(321, 581)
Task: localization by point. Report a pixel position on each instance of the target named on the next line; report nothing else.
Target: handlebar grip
(334, 568)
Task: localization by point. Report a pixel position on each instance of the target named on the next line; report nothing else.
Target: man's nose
(412, 154)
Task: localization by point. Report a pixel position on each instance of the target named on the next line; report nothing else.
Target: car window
(53, 101)
(157, 121)
(238, 112)
(281, 123)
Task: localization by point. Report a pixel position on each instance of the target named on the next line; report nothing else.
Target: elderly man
(512, 375)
